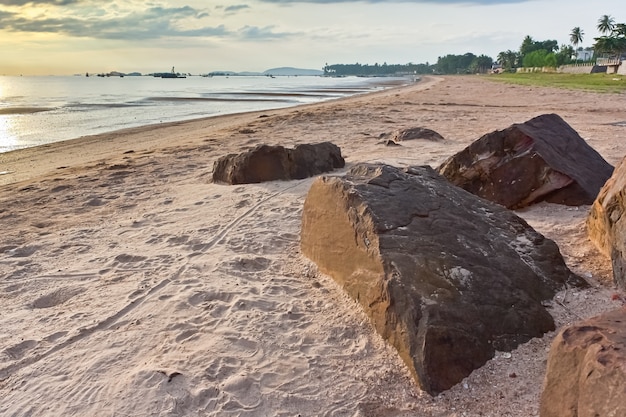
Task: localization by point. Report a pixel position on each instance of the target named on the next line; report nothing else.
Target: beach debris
(270, 163)
(606, 223)
(543, 159)
(447, 278)
(586, 371)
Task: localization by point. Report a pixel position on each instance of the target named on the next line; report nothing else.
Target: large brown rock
(586, 373)
(541, 159)
(269, 163)
(606, 223)
(446, 277)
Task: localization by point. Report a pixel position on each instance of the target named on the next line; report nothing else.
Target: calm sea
(40, 110)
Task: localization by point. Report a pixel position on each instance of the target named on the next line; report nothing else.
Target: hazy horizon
(65, 37)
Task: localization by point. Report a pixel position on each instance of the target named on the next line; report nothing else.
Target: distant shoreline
(29, 162)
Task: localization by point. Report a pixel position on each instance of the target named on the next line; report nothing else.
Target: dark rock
(542, 159)
(269, 163)
(446, 277)
(414, 133)
(606, 223)
(586, 372)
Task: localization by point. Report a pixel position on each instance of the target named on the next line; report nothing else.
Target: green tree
(606, 24)
(615, 42)
(455, 64)
(550, 60)
(540, 58)
(611, 45)
(527, 46)
(481, 64)
(565, 54)
(508, 59)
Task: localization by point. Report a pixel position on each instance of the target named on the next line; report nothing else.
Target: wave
(23, 110)
(223, 99)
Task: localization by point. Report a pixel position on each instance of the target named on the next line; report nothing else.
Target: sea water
(39, 110)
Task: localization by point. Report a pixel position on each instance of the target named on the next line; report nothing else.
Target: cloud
(478, 2)
(151, 23)
(37, 2)
(261, 33)
(236, 8)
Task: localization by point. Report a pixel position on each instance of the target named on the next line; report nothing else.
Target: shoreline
(133, 285)
(27, 163)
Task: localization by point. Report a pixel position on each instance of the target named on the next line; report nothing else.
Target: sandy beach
(131, 285)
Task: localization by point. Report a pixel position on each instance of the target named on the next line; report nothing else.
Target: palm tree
(619, 29)
(608, 45)
(576, 37)
(606, 24)
(508, 59)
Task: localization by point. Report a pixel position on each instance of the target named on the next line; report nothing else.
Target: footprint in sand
(22, 252)
(57, 297)
(18, 351)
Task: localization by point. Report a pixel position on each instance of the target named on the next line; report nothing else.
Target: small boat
(172, 74)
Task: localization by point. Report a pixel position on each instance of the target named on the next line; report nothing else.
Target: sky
(62, 37)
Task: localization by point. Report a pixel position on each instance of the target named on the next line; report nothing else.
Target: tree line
(531, 53)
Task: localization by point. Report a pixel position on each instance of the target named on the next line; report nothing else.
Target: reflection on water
(40, 110)
(8, 138)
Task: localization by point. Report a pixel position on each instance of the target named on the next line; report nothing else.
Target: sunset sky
(75, 36)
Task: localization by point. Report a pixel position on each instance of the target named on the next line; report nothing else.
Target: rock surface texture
(586, 373)
(606, 223)
(270, 163)
(446, 277)
(541, 159)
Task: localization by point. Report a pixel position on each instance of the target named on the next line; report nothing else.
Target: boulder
(416, 133)
(541, 159)
(446, 277)
(413, 133)
(586, 372)
(606, 223)
(269, 163)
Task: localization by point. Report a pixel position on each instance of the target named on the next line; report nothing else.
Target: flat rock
(541, 159)
(586, 372)
(447, 278)
(413, 133)
(270, 163)
(606, 223)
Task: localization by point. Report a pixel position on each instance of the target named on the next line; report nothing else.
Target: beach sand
(131, 285)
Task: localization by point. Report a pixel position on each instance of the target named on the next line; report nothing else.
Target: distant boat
(172, 74)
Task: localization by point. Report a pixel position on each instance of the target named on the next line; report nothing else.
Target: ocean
(40, 110)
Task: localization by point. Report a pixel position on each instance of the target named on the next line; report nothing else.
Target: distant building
(496, 68)
(584, 55)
